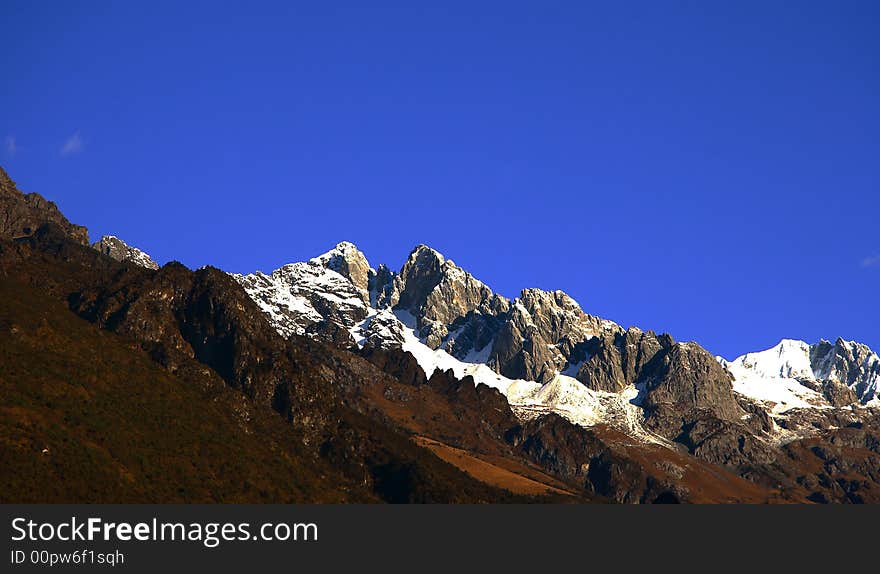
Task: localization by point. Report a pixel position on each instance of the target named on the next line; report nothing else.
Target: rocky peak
(347, 260)
(437, 292)
(22, 214)
(420, 274)
(542, 333)
(117, 249)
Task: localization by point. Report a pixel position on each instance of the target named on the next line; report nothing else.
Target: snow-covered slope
(772, 376)
(563, 395)
(299, 295)
(792, 373)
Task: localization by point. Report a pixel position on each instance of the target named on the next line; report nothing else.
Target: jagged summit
(423, 250)
(437, 292)
(448, 319)
(347, 260)
(116, 248)
(432, 308)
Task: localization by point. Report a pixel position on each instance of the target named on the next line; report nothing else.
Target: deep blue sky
(709, 169)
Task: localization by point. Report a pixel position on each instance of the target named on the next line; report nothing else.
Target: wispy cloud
(10, 144)
(873, 261)
(73, 145)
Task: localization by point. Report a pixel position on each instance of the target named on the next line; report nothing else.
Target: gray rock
(435, 290)
(616, 359)
(838, 394)
(682, 384)
(381, 287)
(117, 249)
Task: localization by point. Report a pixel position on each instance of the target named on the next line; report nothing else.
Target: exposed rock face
(540, 334)
(382, 287)
(838, 394)
(684, 383)
(530, 338)
(114, 247)
(726, 443)
(682, 388)
(621, 471)
(533, 338)
(849, 363)
(437, 293)
(382, 331)
(616, 359)
(22, 214)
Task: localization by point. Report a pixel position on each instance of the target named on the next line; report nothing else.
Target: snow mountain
(422, 384)
(795, 374)
(545, 354)
(448, 320)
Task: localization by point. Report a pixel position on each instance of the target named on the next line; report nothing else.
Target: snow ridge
(340, 288)
(787, 374)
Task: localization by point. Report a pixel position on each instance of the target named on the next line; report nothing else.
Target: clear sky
(709, 169)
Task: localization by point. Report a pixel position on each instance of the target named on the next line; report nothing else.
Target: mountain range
(333, 380)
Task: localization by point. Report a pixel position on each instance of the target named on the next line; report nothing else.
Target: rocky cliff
(22, 214)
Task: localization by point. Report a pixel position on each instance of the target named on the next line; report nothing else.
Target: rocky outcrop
(382, 287)
(117, 249)
(22, 214)
(608, 464)
(838, 394)
(397, 363)
(683, 383)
